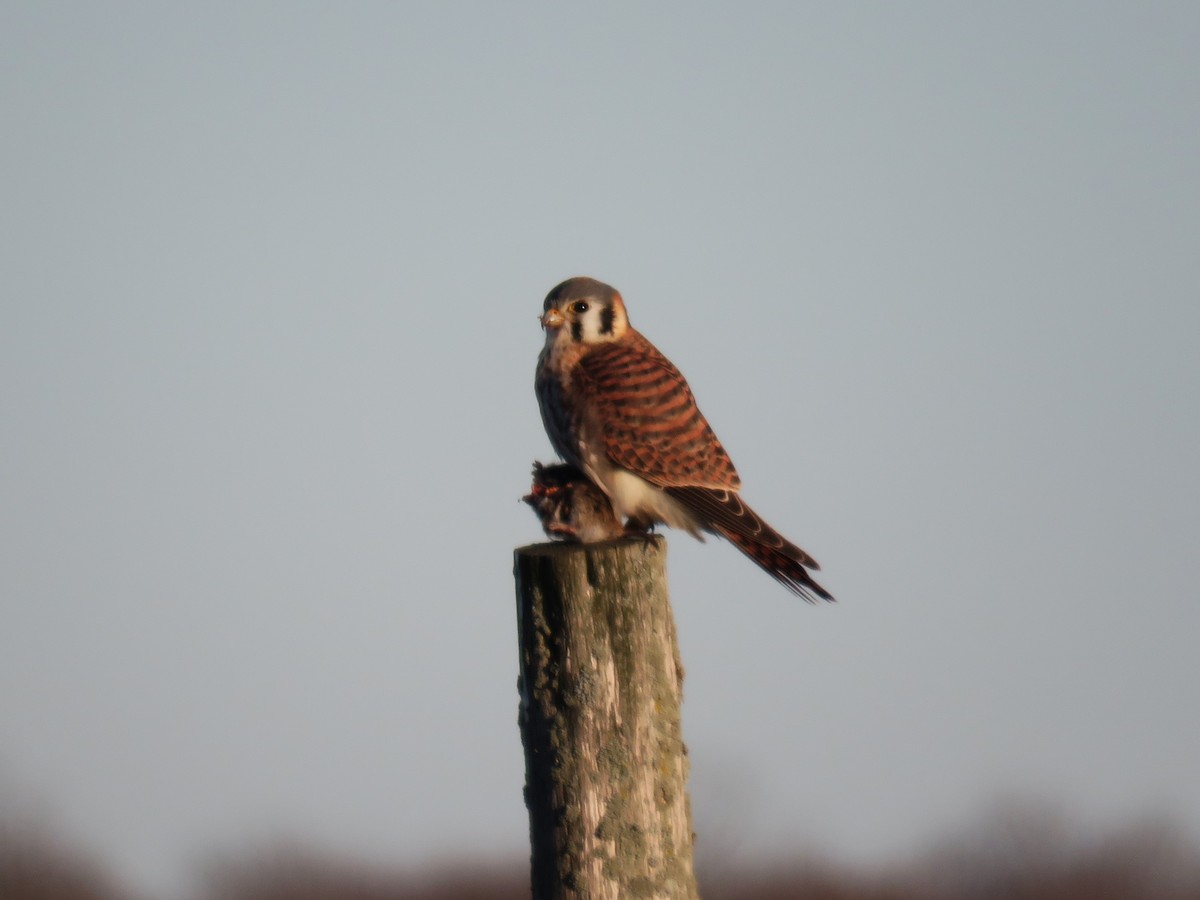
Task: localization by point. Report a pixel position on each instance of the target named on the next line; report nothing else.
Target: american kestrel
(570, 506)
(617, 409)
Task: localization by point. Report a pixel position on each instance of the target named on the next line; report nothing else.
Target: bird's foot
(639, 529)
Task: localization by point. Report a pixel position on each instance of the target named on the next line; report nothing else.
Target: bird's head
(584, 311)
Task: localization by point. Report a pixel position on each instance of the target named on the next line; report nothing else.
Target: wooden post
(605, 763)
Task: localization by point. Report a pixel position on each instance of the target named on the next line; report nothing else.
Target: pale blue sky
(269, 277)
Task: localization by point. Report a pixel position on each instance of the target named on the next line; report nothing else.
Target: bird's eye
(580, 306)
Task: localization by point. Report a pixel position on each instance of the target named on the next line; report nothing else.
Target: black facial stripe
(607, 313)
(577, 330)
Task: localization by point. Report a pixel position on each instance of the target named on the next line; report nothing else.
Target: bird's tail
(780, 563)
(727, 515)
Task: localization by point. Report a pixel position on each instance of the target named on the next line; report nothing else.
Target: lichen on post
(601, 683)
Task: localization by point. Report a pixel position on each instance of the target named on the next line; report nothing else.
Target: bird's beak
(553, 319)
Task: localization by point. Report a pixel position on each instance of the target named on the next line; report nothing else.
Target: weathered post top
(601, 683)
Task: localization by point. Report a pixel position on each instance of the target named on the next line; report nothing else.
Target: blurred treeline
(1021, 854)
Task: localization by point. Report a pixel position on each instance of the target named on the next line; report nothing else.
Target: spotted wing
(649, 419)
(652, 426)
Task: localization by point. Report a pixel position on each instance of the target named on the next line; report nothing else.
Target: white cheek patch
(601, 323)
(590, 325)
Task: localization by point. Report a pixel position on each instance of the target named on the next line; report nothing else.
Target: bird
(570, 506)
(619, 411)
